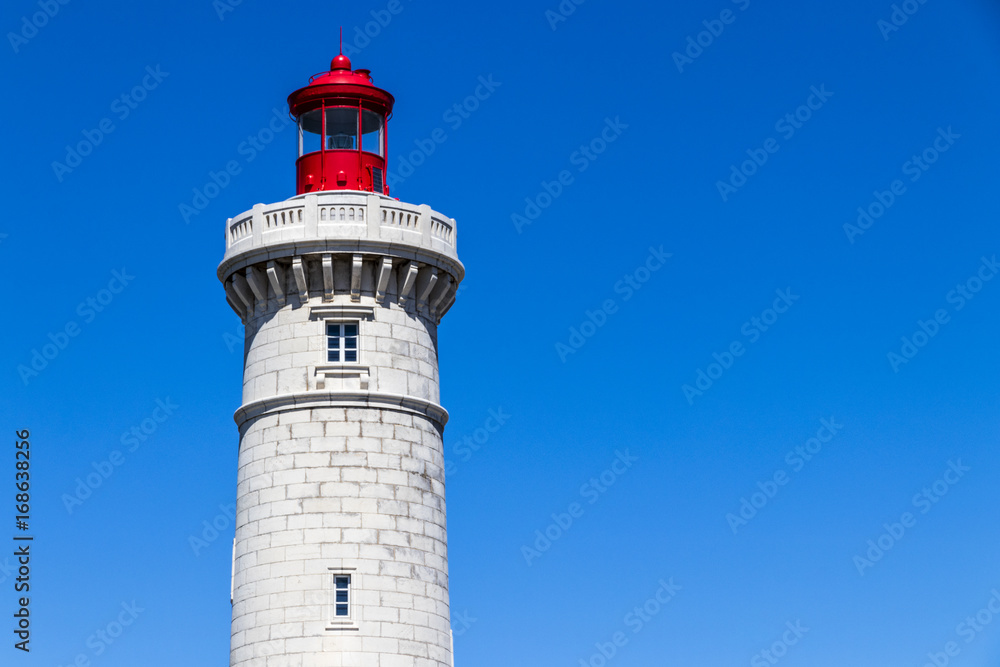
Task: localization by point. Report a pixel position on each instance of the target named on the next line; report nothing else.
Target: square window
(342, 336)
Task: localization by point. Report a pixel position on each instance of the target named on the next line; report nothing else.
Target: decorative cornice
(341, 223)
(340, 399)
(236, 262)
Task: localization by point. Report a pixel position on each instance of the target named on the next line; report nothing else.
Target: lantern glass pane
(341, 128)
(371, 132)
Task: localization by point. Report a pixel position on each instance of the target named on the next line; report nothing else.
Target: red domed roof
(339, 83)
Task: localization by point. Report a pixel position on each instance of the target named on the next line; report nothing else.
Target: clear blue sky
(775, 239)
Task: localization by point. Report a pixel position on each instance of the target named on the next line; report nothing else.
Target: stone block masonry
(357, 488)
(341, 464)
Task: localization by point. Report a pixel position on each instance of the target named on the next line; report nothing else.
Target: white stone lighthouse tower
(341, 545)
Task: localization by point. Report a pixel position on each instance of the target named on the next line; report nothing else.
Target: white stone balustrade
(341, 221)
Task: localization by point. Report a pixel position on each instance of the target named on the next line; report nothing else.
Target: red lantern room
(342, 118)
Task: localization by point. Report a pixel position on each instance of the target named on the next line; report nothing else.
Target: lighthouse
(340, 557)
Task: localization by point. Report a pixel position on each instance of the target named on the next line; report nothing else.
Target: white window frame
(349, 622)
(325, 375)
(342, 339)
(347, 602)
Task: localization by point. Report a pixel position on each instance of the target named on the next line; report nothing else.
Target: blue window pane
(350, 329)
(351, 343)
(333, 355)
(332, 329)
(333, 343)
(342, 596)
(341, 610)
(343, 582)
(350, 355)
